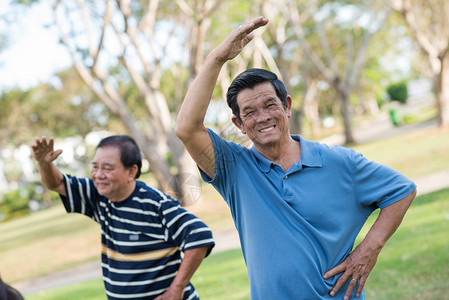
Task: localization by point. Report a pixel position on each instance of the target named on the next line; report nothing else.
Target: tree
(49, 110)
(118, 44)
(336, 46)
(428, 23)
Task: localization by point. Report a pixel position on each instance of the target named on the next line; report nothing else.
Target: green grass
(414, 154)
(50, 240)
(88, 290)
(413, 265)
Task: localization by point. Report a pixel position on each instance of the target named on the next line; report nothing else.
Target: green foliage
(14, 204)
(67, 108)
(398, 91)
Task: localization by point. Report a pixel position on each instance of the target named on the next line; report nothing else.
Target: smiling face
(263, 116)
(109, 175)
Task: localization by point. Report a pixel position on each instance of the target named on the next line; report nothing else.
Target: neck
(125, 193)
(284, 154)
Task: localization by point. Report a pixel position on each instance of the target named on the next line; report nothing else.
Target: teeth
(267, 129)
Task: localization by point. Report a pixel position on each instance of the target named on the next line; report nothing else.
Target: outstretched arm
(191, 261)
(190, 123)
(358, 265)
(44, 154)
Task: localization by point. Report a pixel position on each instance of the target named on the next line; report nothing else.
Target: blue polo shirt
(294, 226)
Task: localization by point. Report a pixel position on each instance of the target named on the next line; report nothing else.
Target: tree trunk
(345, 113)
(442, 93)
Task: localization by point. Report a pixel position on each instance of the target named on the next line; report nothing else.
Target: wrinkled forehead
(260, 93)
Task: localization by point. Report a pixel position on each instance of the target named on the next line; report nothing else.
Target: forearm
(193, 110)
(190, 263)
(387, 222)
(51, 177)
(358, 265)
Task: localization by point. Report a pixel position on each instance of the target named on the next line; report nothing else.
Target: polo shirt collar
(310, 155)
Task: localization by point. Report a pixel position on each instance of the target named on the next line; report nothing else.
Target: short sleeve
(82, 197)
(226, 154)
(185, 229)
(377, 184)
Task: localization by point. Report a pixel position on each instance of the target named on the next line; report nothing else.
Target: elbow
(180, 131)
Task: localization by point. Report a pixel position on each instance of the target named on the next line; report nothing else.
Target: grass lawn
(413, 264)
(414, 154)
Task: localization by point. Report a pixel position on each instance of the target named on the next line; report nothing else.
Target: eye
(248, 114)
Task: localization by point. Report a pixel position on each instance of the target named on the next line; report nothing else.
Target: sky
(33, 53)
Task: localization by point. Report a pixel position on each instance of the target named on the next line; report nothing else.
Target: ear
(238, 124)
(288, 106)
(132, 172)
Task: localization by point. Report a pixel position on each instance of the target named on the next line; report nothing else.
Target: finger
(37, 141)
(43, 142)
(351, 286)
(260, 21)
(340, 282)
(56, 154)
(362, 281)
(334, 271)
(51, 143)
(251, 26)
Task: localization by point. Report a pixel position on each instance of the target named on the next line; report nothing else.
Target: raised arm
(362, 260)
(190, 123)
(44, 154)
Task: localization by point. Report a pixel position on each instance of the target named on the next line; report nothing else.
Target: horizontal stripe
(130, 296)
(205, 242)
(127, 296)
(169, 210)
(196, 231)
(141, 282)
(180, 229)
(131, 210)
(127, 221)
(131, 243)
(133, 232)
(146, 200)
(138, 271)
(178, 216)
(151, 255)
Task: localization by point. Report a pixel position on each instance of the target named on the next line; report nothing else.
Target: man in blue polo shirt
(298, 205)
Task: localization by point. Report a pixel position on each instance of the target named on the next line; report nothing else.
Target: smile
(267, 129)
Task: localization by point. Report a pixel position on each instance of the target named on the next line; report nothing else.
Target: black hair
(7, 292)
(249, 79)
(129, 151)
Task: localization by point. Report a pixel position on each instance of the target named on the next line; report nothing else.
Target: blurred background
(372, 75)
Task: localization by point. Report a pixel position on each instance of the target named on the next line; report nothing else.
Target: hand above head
(43, 150)
(237, 40)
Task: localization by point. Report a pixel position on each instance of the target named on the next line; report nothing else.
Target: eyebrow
(267, 100)
(106, 164)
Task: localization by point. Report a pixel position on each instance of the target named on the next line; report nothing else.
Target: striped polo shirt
(142, 237)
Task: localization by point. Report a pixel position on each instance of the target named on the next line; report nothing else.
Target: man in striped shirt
(151, 246)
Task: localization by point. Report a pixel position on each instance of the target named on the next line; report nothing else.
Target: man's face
(263, 116)
(109, 175)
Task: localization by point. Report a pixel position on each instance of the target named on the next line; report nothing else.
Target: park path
(225, 240)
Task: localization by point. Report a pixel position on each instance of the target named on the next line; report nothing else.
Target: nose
(263, 116)
(98, 173)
